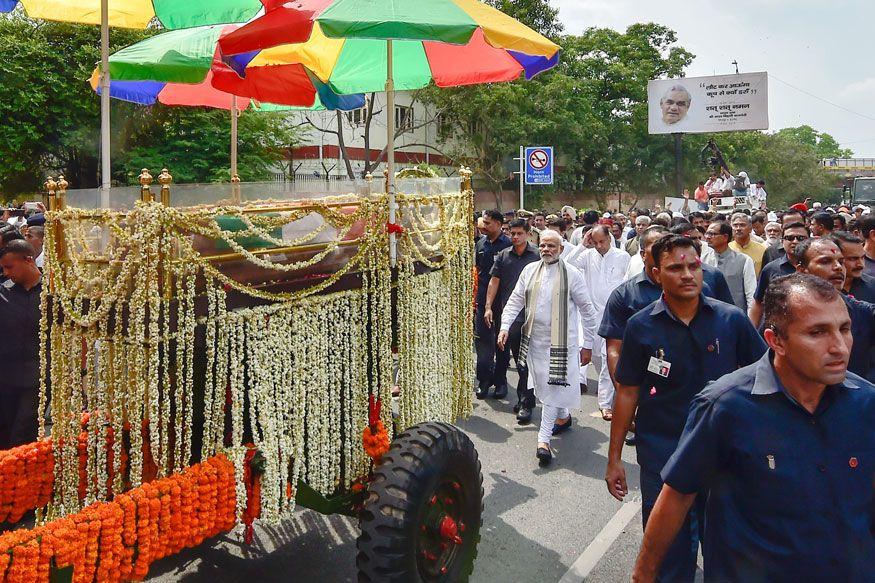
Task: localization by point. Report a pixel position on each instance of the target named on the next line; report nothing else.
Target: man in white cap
(552, 294)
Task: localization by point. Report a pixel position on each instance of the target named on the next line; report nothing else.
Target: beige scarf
(558, 321)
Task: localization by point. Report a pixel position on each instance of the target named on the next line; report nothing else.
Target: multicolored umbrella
(359, 45)
(178, 68)
(131, 14)
(139, 13)
(182, 67)
(449, 42)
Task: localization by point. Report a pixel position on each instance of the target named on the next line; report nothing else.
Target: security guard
(784, 447)
(671, 349)
(822, 257)
(506, 270)
(19, 344)
(640, 291)
(487, 248)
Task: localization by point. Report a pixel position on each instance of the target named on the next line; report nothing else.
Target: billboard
(697, 105)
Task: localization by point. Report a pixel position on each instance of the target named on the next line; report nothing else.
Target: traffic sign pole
(522, 177)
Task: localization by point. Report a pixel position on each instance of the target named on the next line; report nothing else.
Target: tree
(195, 143)
(51, 118)
(50, 114)
(592, 107)
(825, 146)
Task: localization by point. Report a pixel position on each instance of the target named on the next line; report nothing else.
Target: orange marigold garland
(375, 438)
(119, 540)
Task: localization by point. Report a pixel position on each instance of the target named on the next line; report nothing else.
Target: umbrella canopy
(139, 13)
(183, 94)
(181, 67)
(366, 45)
(450, 42)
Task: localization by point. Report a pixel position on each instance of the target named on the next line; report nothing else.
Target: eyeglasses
(796, 238)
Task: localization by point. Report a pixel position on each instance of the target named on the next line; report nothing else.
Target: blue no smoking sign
(539, 165)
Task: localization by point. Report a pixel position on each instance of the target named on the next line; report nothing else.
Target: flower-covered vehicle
(209, 364)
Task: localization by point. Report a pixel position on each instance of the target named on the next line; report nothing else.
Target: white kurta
(538, 360)
(602, 274)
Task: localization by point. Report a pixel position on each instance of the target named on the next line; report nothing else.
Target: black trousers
(487, 350)
(525, 395)
(18, 416)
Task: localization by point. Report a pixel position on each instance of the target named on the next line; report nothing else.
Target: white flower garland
(292, 376)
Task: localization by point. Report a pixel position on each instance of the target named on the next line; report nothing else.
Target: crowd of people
(691, 320)
(733, 350)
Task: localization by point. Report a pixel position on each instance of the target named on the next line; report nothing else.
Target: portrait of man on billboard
(675, 104)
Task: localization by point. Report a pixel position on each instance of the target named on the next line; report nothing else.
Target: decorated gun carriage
(208, 364)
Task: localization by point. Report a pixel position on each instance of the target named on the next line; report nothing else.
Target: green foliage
(50, 114)
(195, 144)
(825, 146)
(51, 118)
(789, 165)
(592, 108)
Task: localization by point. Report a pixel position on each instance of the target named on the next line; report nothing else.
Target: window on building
(403, 118)
(357, 117)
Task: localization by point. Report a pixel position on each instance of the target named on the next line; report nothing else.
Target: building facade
(364, 138)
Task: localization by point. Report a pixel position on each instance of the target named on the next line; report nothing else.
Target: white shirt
(708, 256)
(602, 273)
(750, 280)
(579, 301)
(40, 259)
(714, 187)
(758, 192)
(636, 266)
(567, 250)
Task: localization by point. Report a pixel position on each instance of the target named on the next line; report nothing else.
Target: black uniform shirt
(19, 336)
(507, 268)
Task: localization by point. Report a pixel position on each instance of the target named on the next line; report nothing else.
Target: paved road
(538, 523)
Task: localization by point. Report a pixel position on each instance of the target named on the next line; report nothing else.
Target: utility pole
(678, 163)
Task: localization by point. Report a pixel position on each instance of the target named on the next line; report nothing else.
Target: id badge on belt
(658, 365)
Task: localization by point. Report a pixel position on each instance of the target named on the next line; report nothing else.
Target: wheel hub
(441, 531)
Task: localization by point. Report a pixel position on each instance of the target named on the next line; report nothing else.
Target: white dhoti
(600, 362)
(555, 398)
(538, 361)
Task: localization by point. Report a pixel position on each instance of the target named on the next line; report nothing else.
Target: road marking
(590, 557)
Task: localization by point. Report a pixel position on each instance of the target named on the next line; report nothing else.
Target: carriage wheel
(421, 519)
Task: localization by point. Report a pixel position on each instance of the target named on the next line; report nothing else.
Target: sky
(825, 48)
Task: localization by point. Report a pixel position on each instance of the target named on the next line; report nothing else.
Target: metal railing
(192, 195)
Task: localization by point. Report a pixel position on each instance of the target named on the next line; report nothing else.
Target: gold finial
(165, 180)
(62, 192)
(465, 173)
(369, 177)
(145, 186)
(50, 186)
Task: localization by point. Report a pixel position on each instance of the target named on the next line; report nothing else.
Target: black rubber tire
(421, 461)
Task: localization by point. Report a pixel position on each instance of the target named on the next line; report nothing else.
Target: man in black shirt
(19, 348)
(487, 247)
(505, 272)
(857, 284)
(792, 235)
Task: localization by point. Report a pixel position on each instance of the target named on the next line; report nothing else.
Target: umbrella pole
(235, 178)
(390, 151)
(105, 162)
(234, 113)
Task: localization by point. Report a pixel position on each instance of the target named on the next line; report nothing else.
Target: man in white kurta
(556, 399)
(603, 268)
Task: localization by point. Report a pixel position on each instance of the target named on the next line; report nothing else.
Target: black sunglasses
(796, 238)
